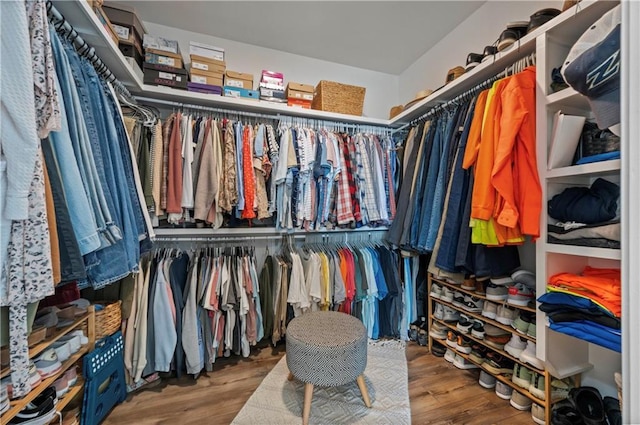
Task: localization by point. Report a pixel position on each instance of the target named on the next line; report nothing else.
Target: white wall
(480, 29)
(382, 89)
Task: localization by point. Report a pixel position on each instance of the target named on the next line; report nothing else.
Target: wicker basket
(337, 97)
(109, 319)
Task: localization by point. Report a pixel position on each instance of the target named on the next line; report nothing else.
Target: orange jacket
(602, 286)
(515, 169)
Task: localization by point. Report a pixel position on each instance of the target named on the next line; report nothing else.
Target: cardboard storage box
(165, 76)
(206, 51)
(206, 78)
(204, 88)
(272, 77)
(239, 92)
(161, 44)
(299, 91)
(277, 94)
(208, 65)
(238, 80)
(160, 59)
(130, 51)
(106, 23)
(126, 18)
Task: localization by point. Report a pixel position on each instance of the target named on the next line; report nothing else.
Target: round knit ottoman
(327, 349)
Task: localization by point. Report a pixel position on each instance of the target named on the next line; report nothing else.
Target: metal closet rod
(313, 122)
(220, 239)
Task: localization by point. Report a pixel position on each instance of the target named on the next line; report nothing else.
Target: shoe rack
(87, 322)
(506, 379)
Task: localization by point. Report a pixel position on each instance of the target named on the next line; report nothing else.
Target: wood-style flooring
(439, 393)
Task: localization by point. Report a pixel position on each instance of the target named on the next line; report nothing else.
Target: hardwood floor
(439, 393)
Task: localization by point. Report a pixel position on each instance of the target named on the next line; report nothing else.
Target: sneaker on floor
(612, 409)
(469, 283)
(452, 339)
(538, 414)
(464, 324)
(438, 350)
(588, 402)
(473, 305)
(520, 401)
(520, 295)
(522, 322)
(497, 292)
(463, 345)
(438, 312)
(503, 390)
(529, 355)
(450, 355)
(477, 330)
(536, 387)
(506, 315)
(450, 315)
(422, 335)
(458, 299)
(515, 346)
(462, 363)
(564, 413)
(436, 291)
(498, 364)
(438, 331)
(521, 376)
(447, 294)
(47, 363)
(478, 353)
(487, 380)
(489, 309)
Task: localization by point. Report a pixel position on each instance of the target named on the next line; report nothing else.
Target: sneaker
(47, 363)
(538, 414)
(473, 60)
(63, 350)
(473, 305)
(522, 322)
(612, 409)
(521, 376)
(469, 283)
(489, 310)
(422, 335)
(515, 346)
(477, 329)
(497, 341)
(503, 390)
(529, 355)
(452, 339)
(458, 299)
(531, 330)
(478, 353)
(502, 281)
(447, 294)
(436, 291)
(520, 295)
(480, 286)
(450, 315)
(505, 315)
(4, 399)
(497, 364)
(589, 404)
(438, 350)
(40, 411)
(524, 276)
(34, 380)
(72, 375)
(464, 324)
(62, 386)
(486, 380)
(497, 292)
(564, 412)
(463, 345)
(438, 331)
(450, 355)
(74, 340)
(536, 386)
(520, 401)
(438, 312)
(462, 363)
(559, 389)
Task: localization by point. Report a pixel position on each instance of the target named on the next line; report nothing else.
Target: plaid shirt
(365, 175)
(351, 157)
(344, 206)
(388, 181)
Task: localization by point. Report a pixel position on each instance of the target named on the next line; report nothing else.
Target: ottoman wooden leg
(308, 393)
(290, 377)
(363, 389)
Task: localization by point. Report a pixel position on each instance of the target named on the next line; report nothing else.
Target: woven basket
(109, 319)
(337, 97)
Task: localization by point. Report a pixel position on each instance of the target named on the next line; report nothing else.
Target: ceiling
(385, 36)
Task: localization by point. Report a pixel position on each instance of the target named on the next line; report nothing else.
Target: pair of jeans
(410, 232)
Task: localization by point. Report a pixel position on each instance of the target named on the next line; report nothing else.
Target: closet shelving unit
(86, 321)
(566, 355)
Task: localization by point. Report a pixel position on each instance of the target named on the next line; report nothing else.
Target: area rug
(279, 401)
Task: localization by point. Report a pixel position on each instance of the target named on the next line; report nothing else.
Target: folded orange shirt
(602, 286)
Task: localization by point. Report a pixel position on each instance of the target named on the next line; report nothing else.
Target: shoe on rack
(524, 276)
(47, 363)
(489, 309)
(612, 409)
(560, 389)
(473, 305)
(469, 283)
(520, 401)
(4, 399)
(422, 335)
(531, 330)
(473, 60)
(489, 52)
(536, 387)
(538, 414)
(450, 355)
(72, 375)
(480, 282)
(463, 345)
(447, 294)
(589, 404)
(450, 315)
(63, 350)
(529, 355)
(461, 363)
(503, 390)
(520, 295)
(505, 315)
(477, 329)
(496, 292)
(452, 339)
(502, 280)
(62, 386)
(494, 331)
(34, 379)
(438, 331)
(74, 340)
(464, 324)
(458, 299)
(478, 353)
(438, 350)
(436, 291)
(521, 376)
(40, 411)
(515, 346)
(522, 322)
(438, 311)
(487, 380)
(497, 364)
